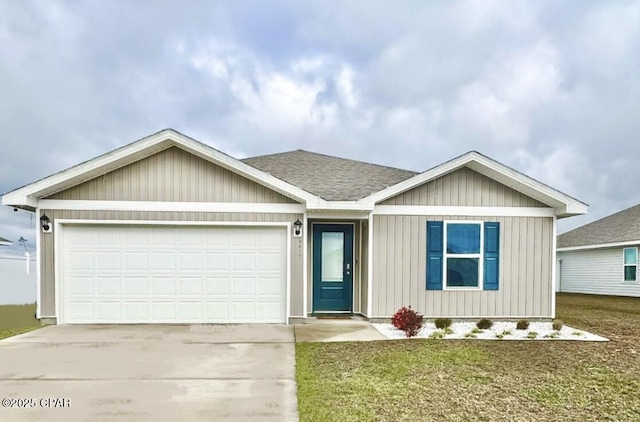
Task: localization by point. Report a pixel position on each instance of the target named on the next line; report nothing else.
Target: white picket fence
(17, 279)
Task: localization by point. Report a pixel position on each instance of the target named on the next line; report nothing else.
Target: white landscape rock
(461, 330)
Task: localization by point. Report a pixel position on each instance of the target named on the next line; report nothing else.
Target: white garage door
(173, 274)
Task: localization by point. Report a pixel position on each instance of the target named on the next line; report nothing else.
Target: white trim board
(464, 211)
(59, 234)
(599, 246)
(238, 207)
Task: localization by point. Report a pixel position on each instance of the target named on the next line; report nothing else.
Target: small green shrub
(436, 335)
(532, 335)
(523, 324)
(576, 333)
(470, 335)
(557, 324)
(484, 324)
(447, 330)
(476, 331)
(442, 323)
(500, 336)
(555, 334)
(407, 320)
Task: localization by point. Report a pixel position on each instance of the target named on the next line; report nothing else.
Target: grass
(487, 381)
(17, 319)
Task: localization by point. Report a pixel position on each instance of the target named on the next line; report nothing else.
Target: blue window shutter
(434, 254)
(491, 255)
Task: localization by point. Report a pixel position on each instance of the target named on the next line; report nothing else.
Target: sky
(549, 88)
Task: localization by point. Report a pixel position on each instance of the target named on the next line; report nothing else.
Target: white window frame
(480, 256)
(625, 265)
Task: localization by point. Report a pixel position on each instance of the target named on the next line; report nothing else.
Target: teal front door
(332, 268)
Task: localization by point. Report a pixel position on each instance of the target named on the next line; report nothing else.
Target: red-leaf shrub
(407, 320)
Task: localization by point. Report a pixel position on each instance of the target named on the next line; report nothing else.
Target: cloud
(549, 88)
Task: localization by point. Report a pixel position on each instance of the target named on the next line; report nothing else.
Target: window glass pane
(463, 238)
(630, 273)
(462, 272)
(332, 256)
(630, 256)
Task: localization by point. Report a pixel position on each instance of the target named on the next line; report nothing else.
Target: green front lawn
(458, 380)
(17, 319)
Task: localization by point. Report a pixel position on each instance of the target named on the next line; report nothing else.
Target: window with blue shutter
(463, 255)
(434, 255)
(491, 255)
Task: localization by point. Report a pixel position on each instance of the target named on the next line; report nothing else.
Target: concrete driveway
(145, 372)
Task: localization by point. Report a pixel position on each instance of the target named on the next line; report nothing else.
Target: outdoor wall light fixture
(45, 223)
(297, 228)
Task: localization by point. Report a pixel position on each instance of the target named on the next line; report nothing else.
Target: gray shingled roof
(623, 226)
(331, 178)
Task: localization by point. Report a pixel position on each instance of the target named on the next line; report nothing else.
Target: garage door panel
(163, 286)
(190, 261)
(216, 286)
(243, 286)
(136, 261)
(136, 237)
(136, 311)
(107, 311)
(136, 286)
(243, 261)
(108, 238)
(190, 286)
(81, 286)
(217, 261)
(161, 274)
(163, 311)
(217, 310)
(81, 311)
(107, 260)
(190, 311)
(108, 286)
(80, 260)
(163, 261)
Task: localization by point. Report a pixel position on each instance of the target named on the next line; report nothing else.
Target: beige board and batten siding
(173, 175)
(595, 271)
(364, 268)
(464, 187)
(399, 270)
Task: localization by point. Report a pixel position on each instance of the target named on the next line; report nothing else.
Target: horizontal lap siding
(597, 271)
(172, 175)
(464, 187)
(47, 290)
(399, 270)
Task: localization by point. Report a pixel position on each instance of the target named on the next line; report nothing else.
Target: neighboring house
(170, 230)
(5, 242)
(602, 257)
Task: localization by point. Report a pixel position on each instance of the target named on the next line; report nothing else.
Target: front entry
(332, 268)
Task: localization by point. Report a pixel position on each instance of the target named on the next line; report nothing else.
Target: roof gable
(331, 178)
(463, 187)
(623, 226)
(27, 196)
(564, 205)
(172, 175)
